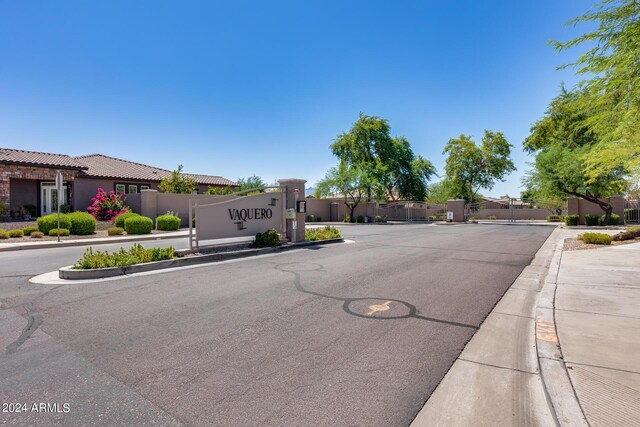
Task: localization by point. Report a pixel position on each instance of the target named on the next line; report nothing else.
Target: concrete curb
(92, 242)
(69, 273)
(555, 378)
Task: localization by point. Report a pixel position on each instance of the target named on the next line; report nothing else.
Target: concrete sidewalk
(597, 314)
(560, 348)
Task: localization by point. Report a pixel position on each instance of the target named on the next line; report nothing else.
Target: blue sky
(241, 88)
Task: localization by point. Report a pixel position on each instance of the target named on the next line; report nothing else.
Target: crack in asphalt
(413, 311)
(34, 320)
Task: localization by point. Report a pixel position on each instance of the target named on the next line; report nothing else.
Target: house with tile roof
(27, 179)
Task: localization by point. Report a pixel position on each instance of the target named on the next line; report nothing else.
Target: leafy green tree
(250, 183)
(254, 182)
(610, 95)
(389, 162)
(216, 190)
(470, 167)
(563, 143)
(178, 183)
(440, 193)
(350, 183)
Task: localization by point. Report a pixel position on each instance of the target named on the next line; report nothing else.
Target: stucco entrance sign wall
(243, 216)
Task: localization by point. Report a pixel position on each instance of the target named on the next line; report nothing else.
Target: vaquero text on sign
(250, 214)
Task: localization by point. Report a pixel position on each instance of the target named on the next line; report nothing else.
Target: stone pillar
(457, 207)
(289, 185)
(573, 206)
(5, 194)
(149, 203)
(334, 212)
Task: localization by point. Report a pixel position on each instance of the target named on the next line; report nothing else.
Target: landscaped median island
(591, 240)
(326, 233)
(123, 258)
(137, 259)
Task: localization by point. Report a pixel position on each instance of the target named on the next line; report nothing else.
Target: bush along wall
(138, 225)
(614, 220)
(269, 238)
(168, 222)
(591, 219)
(571, 220)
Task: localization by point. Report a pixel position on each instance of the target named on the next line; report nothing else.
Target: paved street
(349, 334)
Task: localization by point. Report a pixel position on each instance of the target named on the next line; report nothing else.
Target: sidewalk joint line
(598, 314)
(601, 367)
(498, 367)
(514, 315)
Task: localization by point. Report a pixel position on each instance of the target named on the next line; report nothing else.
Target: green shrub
(269, 238)
(379, 218)
(3, 234)
(319, 219)
(30, 229)
(16, 233)
(359, 219)
(596, 238)
(614, 220)
(492, 217)
(135, 255)
(571, 220)
(30, 209)
(49, 222)
(4, 209)
(311, 218)
(591, 219)
(326, 233)
(120, 219)
(65, 208)
(554, 218)
(138, 225)
(63, 232)
(633, 229)
(37, 235)
(115, 231)
(82, 223)
(167, 222)
(347, 219)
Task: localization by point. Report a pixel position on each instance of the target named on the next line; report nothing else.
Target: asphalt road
(348, 334)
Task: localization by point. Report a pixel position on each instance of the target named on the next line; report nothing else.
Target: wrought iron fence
(632, 212)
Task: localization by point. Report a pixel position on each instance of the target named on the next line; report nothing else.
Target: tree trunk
(605, 206)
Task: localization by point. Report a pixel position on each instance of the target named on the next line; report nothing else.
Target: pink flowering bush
(106, 206)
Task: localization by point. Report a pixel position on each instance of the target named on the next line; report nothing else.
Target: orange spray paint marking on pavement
(546, 331)
(378, 307)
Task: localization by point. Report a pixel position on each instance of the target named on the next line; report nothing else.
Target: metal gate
(632, 212)
(412, 211)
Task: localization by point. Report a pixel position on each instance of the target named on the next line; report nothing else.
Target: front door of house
(49, 197)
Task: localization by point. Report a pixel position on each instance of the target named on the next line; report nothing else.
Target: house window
(127, 188)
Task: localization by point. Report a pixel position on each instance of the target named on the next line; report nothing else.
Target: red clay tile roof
(36, 158)
(103, 166)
